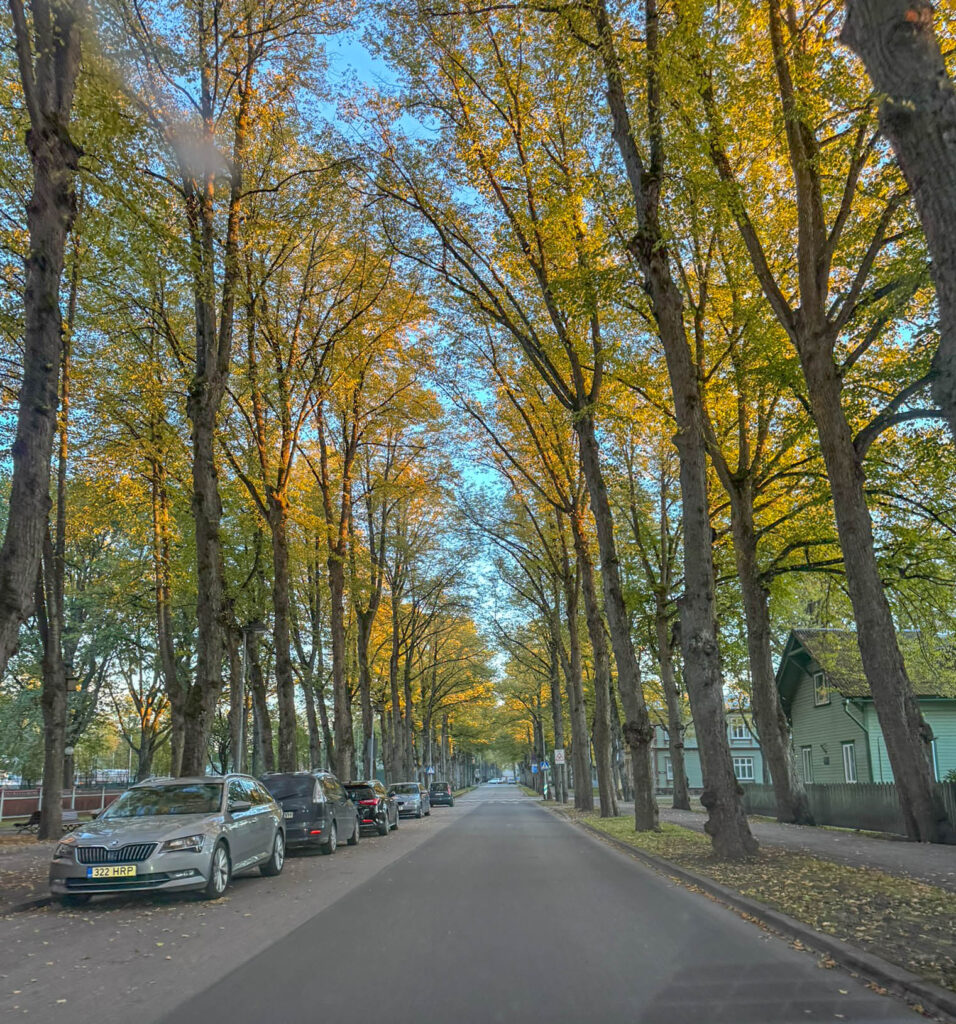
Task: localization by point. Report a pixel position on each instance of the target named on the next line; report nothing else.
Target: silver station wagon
(172, 834)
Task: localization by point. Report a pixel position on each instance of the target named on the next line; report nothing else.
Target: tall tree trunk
(675, 717)
(237, 696)
(726, 824)
(364, 619)
(602, 673)
(577, 709)
(907, 735)
(408, 722)
(162, 576)
(342, 709)
(145, 752)
(263, 720)
(48, 53)
(395, 763)
(285, 682)
(638, 731)
(203, 693)
(53, 696)
(315, 739)
(902, 55)
(774, 733)
(557, 715)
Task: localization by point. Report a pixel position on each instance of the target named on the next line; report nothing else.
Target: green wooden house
(835, 731)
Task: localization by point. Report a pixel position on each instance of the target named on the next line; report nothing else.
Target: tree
(48, 55)
(727, 824)
(898, 44)
(830, 302)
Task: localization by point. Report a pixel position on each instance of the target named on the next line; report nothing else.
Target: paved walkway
(926, 862)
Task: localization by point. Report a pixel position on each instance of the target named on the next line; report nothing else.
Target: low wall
(874, 806)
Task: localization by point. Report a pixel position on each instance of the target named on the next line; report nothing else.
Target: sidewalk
(925, 862)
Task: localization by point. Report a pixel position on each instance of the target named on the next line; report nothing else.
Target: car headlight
(185, 843)
(64, 850)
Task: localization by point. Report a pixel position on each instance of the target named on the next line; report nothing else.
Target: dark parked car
(376, 808)
(440, 793)
(316, 809)
(412, 798)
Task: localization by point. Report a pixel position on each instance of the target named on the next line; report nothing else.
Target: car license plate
(288, 814)
(112, 871)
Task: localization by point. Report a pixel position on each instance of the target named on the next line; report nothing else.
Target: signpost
(559, 755)
(545, 766)
(534, 767)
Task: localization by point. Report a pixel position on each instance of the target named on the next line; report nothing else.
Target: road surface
(510, 914)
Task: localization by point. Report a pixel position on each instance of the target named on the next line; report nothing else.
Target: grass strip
(907, 922)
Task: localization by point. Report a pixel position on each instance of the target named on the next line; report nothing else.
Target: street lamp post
(250, 629)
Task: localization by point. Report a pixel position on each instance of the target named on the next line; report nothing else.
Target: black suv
(440, 793)
(317, 810)
(376, 809)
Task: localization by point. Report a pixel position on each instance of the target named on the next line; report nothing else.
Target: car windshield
(284, 786)
(439, 787)
(150, 801)
(405, 787)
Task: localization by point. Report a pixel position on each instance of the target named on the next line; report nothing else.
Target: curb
(896, 979)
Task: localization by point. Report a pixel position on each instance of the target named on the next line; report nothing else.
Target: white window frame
(849, 761)
(742, 765)
(934, 754)
(739, 730)
(806, 758)
(668, 769)
(820, 683)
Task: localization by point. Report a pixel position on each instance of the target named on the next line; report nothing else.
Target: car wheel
(273, 866)
(429, 811)
(76, 899)
(354, 837)
(220, 871)
(383, 826)
(330, 845)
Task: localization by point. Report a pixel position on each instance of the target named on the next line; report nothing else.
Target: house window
(744, 768)
(668, 769)
(806, 754)
(849, 762)
(821, 692)
(738, 729)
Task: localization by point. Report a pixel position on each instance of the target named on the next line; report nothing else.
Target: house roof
(930, 662)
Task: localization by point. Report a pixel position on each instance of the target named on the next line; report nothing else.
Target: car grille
(131, 853)
(119, 884)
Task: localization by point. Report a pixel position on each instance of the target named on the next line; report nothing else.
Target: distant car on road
(316, 809)
(412, 798)
(172, 834)
(376, 809)
(440, 793)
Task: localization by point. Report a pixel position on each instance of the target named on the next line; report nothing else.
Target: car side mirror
(391, 792)
(235, 806)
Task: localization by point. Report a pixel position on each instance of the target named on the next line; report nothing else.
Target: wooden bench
(70, 821)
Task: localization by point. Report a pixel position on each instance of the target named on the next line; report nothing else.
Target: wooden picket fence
(873, 806)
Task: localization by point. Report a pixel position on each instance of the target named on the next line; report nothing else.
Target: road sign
(545, 766)
(559, 755)
(430, 770)
(534, 769)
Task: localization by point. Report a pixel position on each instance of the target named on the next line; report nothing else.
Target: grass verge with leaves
(901, 920)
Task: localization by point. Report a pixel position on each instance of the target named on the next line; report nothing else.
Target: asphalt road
(508, 914)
